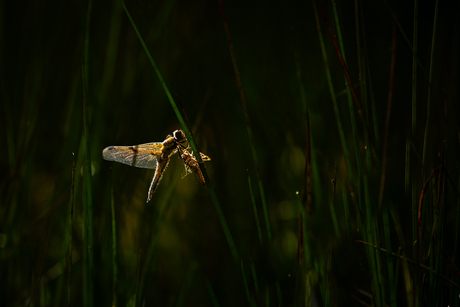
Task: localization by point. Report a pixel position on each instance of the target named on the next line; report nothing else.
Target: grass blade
(430, 85)
(214, 199)
(389, 258)
(256, 214)
(114, 249)
(214, 301)
(69, 255)
(248, 295)
(87, 166)
(339, 52)
(254, 276)
(387, 121)
(248, 124)
(340, 129)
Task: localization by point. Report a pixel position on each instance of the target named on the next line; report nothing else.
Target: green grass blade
(165, 205)
(387, 121)
(248, 295)
(256, 214)
(267, 296)
(389, 258)
(360, 57)
(346, 210)
(114, 249)
(214, 199)
(430, 85)
(254, 276)
(327, 300)
(403, 33)
(278, 292)
(214, 301)
(248, 125)
(138, 297)
(409, 285)
(340, 55)
(414, 68)
(307, 260)
(332, 207)
(87, 165)
(70, 238)
(340, 129)
(190, 276)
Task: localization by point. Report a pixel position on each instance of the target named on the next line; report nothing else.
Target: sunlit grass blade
(212, 193)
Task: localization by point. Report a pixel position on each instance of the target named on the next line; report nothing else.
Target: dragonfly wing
(143, 156)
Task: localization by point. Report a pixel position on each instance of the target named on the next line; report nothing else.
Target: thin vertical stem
(69, 256)
(254, 207)
(248, 123)
(430, 85)
(114, 249)
(387, 121)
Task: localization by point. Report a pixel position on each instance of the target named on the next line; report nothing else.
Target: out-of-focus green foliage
(283, 73)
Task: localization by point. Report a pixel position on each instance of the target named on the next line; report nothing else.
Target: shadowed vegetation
(333, 130)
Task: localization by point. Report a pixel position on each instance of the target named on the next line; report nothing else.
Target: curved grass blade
(212, 193)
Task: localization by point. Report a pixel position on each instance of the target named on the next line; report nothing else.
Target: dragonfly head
(180, 138)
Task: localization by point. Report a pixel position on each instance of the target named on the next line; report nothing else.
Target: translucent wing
(144, 155)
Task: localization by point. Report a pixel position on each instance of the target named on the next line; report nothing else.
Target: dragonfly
(191, 164)
(156, 155)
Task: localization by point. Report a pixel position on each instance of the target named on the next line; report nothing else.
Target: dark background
(278, 54)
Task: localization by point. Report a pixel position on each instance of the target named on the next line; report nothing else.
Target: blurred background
(173, 250)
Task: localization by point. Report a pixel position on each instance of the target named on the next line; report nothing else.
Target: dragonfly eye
(180, 138)
(179, 135)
